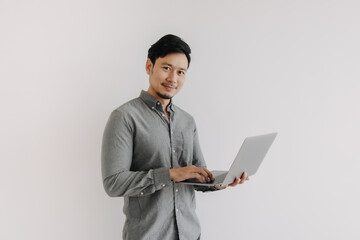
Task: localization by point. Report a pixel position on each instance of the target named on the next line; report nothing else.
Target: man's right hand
(181, 174)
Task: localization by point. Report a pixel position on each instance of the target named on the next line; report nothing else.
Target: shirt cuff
(161, 178)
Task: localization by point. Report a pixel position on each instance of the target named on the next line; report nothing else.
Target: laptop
(248, 159)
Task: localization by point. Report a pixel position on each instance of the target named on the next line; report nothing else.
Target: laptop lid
(250, 156)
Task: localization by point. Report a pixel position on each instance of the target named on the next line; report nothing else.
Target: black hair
(166, 45)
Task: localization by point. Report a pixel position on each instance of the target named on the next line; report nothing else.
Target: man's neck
(164, 102)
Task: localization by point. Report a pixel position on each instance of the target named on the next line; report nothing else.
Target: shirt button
(158, 103)
(174, 151)
(171, 132)
(176, 190)
(152, 108)
(177, 210)
(163, 115)
(141, 193)
(163, 185)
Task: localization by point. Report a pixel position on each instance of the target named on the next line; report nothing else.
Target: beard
(164, 96)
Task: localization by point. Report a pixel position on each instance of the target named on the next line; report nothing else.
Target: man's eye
(181, 72)
(166, 68)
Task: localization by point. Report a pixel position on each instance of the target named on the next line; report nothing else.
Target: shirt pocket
(183, 144)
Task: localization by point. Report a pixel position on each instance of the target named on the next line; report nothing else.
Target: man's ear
(148, 66)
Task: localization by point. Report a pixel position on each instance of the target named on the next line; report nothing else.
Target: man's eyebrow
(170, 65)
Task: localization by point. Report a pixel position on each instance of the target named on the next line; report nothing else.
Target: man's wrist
(172, 173)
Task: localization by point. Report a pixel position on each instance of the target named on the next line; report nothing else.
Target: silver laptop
(248, 159)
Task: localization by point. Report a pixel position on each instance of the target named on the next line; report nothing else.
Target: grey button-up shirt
(140, 145)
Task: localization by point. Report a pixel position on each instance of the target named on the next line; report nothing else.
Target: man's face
(167, 75)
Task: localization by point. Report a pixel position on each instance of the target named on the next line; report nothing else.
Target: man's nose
(172, 77)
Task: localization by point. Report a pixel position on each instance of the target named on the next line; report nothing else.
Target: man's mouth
(169, 86)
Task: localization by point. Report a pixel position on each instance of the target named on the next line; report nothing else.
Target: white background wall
(258, 66)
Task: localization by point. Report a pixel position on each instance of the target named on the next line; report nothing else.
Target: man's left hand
(236, 182)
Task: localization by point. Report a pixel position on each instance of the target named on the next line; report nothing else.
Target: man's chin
(164, 96)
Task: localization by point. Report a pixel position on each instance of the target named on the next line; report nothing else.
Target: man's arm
(116, 158)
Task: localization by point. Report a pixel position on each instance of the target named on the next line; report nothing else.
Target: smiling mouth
(168, 87)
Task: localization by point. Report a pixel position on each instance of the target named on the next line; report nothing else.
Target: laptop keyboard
(219, 179)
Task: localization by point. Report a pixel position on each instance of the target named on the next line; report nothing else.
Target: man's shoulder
(127, 109)
(129, 106)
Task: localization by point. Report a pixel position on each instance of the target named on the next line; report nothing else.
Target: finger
(197, 176)
(243, 177)
(236, 182)
(209, 174)
(201, 171)
(193, 172)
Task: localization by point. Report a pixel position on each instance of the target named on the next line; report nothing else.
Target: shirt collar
(153, 102)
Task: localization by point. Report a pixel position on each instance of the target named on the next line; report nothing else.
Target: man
(149, 145)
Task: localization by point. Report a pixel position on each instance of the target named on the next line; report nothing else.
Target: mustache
(169, 85)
